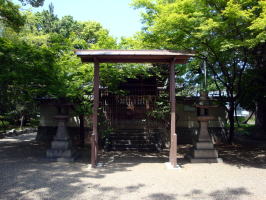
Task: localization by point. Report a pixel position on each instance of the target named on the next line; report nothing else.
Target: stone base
(206, 160)
(204, 145)
(171, 167)
(204, 152)
(60, 151)
(57, 144)
(61, 155)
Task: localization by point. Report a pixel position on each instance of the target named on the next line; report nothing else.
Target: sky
(115, 15)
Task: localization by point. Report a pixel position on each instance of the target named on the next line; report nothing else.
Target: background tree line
(37, 58)
(228, 35)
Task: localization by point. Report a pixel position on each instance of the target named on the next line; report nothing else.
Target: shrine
(134, 56)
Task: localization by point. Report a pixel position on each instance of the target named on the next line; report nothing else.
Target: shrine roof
(133, 56)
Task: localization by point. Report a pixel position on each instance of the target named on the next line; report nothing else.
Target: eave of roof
(133, 56)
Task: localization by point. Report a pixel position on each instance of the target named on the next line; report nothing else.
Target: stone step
(129, 134)
(205, 153)
(204, 140)
(137, 130)
(143, 142)
(57, 144)
(134, 145)
(134, 133)
(204, 145)
(133, 140)
(206, 160)
(58, 153)
(142, 149)
(130, 130)
(130, 137)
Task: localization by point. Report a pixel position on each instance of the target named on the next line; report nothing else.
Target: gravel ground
(25, 173)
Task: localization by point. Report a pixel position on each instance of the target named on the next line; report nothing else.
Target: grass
(244, 129)
(4, 125)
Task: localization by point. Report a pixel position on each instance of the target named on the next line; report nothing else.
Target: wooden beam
(173, 147)
(105, 59)
(94, 137)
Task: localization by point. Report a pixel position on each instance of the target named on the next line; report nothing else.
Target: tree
(39, 61)
(254, 97)
(255, 77)
(26, 73)
(220, 32)
(68, 25)
(34, 3)
(10, 15)
(47, 21)
(96, 36)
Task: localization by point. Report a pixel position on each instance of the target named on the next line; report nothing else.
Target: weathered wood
(133, 56)
(173, 147)
(135, 59)
(94, 137)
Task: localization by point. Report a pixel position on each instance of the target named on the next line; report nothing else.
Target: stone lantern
(61, 146)
(204, 151)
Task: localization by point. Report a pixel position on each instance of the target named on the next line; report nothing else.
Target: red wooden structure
(133, 56)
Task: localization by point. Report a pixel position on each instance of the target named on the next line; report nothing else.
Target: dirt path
(25, 173)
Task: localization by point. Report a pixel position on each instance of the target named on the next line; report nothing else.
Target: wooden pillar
(94, 138)
(173, 147)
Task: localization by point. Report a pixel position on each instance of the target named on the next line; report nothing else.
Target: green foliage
(221, 33)
(39, 61)
(162, 108)
(112, 75)
(26, 73)
(34, 3)
(245, 129)
(3, 123)
(46, 21)
(10, 15)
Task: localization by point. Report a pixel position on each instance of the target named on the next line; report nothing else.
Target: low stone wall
(45, 134)
(185, 135)
(14, 132)
(189, 135)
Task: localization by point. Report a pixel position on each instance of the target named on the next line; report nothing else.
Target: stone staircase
(134, 140)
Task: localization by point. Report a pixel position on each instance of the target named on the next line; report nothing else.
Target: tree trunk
(246, 121)
(81, 130)
(260, 122)
(236, 117)
(231, 122)
(260, 85)
(21, 122)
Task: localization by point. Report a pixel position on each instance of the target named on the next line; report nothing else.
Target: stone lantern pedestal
(204, 151)
(61, 145)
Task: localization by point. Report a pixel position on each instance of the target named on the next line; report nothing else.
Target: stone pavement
(25, 174)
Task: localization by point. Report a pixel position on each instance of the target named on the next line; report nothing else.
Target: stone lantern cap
(204, 101)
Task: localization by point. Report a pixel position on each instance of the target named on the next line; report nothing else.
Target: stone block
(72, 159)
(57, 144)
(204, 145)
(206, 160)
(205, 153)
(58, 153)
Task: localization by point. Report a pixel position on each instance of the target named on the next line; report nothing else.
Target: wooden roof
(133, 56)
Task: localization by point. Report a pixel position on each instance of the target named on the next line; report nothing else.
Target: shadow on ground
(25, 173)
(225, 194)
(243, 156)
(238, 155)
